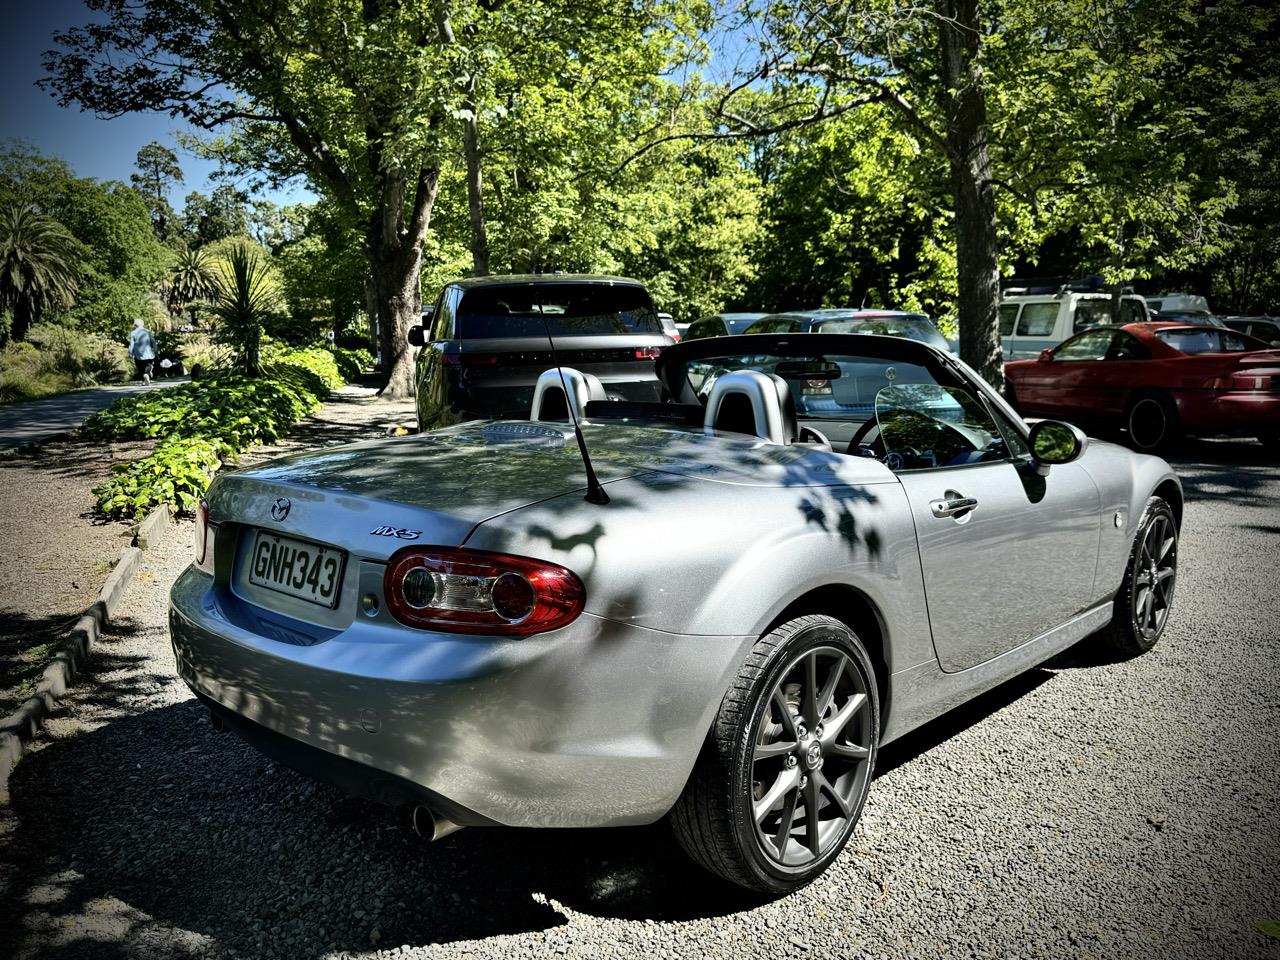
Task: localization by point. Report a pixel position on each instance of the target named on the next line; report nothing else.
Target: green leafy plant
(38, 264)
(246, 295)
(176, 472)
(203, 423)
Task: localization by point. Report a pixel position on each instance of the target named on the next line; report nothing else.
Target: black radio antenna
(595, 489)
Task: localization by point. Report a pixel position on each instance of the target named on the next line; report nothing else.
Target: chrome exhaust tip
(429, 825)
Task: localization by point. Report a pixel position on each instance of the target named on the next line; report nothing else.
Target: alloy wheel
(810, 764)
(1157, 571)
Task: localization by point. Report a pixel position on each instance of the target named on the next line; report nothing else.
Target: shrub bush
(56, 358)
(353, 363)
(224, 414)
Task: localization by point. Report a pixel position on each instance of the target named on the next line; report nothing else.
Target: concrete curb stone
(21, 726)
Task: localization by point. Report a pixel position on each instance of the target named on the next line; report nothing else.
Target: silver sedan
(814, 545)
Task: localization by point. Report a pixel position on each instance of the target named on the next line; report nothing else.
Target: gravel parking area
(1087, 809)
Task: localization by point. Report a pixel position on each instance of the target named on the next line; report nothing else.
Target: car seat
(753, 403)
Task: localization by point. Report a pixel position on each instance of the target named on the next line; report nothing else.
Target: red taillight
(469, 359)
(473, 591)
(648, 353)
(202, 531)
(1240, 381)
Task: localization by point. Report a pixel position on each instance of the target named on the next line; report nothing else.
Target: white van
(1031, 322)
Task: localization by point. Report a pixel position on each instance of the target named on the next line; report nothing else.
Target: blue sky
(103, 149)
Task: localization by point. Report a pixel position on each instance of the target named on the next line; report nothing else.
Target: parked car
(887, 323)
(1160, 380)
(1261, 328)
(669, 326)
(1030, 323)
(1184, 316)
(1180, 303)
(762, 582)
(721, 325)
(487, 343)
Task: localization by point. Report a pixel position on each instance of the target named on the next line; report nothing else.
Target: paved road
(1088, 809)
(39, 419)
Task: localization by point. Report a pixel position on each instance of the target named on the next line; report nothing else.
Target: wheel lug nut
(804, 781)
(818, 732)
(790, 761)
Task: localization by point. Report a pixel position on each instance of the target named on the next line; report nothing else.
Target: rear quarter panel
(701, 557)
(1125, 481)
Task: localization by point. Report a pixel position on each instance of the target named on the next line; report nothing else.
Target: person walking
(142, 347)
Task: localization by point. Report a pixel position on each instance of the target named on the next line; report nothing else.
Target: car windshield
(831, 387)
(918, 327)
(1208, 340)
(570, 309)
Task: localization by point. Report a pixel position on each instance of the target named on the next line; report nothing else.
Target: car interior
(904, 413)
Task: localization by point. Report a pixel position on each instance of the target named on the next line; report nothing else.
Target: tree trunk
(977, 244)
(21, 320)
(394, 248)
(475, 192)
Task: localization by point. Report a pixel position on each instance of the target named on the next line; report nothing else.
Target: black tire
(715, 817)
(1152, 422)
(1133, 629)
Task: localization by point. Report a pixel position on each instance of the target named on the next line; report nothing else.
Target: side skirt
(921, 693)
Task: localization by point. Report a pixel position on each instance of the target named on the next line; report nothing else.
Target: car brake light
(202, 532)
(648, 353)
(474, 591)
(1239, 381)
(469, 359)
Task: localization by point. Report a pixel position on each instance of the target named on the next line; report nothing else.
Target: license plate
(297, 568)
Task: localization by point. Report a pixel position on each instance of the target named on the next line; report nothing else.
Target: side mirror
(1054, 442)
(417, 335)
(1046, 355)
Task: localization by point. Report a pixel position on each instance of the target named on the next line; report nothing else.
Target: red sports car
(1158, 380)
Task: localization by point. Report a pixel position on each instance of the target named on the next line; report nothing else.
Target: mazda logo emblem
(280, 509)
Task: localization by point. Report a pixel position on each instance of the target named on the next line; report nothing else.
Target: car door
(1007, 554)
(1067, 384)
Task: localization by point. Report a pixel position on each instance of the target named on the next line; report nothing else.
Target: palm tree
(38, 264)
(245, 294)
(190, 280)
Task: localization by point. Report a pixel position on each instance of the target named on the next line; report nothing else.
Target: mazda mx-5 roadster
(715, 608)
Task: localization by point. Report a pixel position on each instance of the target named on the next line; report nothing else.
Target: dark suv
(488, 343)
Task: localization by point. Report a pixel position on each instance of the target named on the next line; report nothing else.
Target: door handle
(952, 505)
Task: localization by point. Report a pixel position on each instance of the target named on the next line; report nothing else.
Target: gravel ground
(1087, 809)
(57, 553)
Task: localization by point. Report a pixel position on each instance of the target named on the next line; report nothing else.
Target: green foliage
(117, 258)
(176, 472)
(352, 364)
(158, 170)
(203, 422)
(219, 216)
(38, 264)
(57, 358)
(246, 297)
(190, 280)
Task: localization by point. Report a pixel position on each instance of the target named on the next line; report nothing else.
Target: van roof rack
(1055, 286)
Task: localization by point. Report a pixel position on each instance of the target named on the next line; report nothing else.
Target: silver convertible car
(814, 544)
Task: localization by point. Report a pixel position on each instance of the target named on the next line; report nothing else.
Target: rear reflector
(474, 591)
(648, 353)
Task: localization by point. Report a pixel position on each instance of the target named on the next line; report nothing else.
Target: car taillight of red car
(1244, 380)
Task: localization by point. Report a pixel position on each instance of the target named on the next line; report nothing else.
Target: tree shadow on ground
(159, 822)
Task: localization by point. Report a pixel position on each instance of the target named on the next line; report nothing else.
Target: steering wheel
(876, 446)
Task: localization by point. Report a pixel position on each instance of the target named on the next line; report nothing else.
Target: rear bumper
(1239, 414)
(597, 724)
